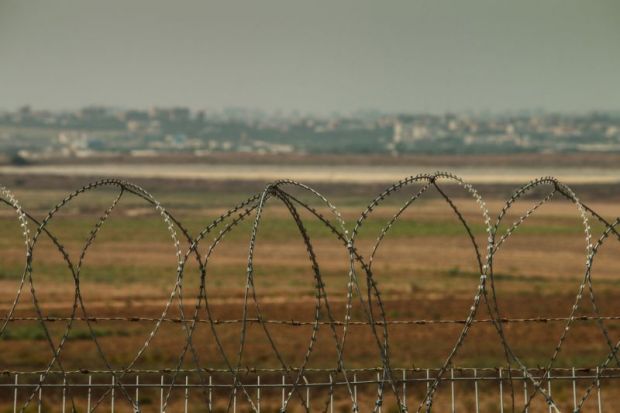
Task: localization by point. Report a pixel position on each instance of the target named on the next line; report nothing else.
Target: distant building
(407, 132)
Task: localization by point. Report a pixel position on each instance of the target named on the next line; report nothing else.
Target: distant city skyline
(292, 112)
(313, 57)
(27, 135)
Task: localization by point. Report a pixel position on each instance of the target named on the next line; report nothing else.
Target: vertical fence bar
(355, 409)
(452, 389)
(549, 390)
(137, 408)
(113, 391)
(15, 394)
(258, 394)
(428, 380)
(210, 393)
(161, 394)
(573, 379)
(598, 391)
(307, 393)
(187, 394)
(501, 392)
(405, 389)
(525, 397)
(574, 391)
(235, 399)
(331, 394)
(379, 392)
(64, 393)
(90, 389)
(476, 390)
(40, 401)
(283, 390)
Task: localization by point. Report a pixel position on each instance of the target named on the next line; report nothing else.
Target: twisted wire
(360, 267)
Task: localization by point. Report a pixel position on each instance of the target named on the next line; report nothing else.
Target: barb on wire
(188, 247)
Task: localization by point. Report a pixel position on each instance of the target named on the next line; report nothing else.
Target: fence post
(501, 392)
(137, 407)
(331, 394)
(187, 394)
(598, 391)
(379, 391)
(258, 394)
(525, 396)
(355, 409)
(307, 393)
(15, 394)
(574, 391)
(476, 390)
(452, 389)
(40, 401)
(549, 389)
(113, 389)
(90, 388)
(283, 391)
(405, 389)
(64, 393)
(210, 394)
(161, 394)
(235, 399)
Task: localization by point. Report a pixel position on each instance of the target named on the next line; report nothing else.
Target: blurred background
(203, 103)
(528, 87)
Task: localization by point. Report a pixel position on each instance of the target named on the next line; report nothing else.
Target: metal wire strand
(389, 380)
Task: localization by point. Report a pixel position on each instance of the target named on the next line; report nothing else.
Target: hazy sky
(314, 56)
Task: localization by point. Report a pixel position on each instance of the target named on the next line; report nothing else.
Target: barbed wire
(297, 323)
(360, 273)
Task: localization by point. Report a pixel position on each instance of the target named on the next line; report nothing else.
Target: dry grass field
(425, 269)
